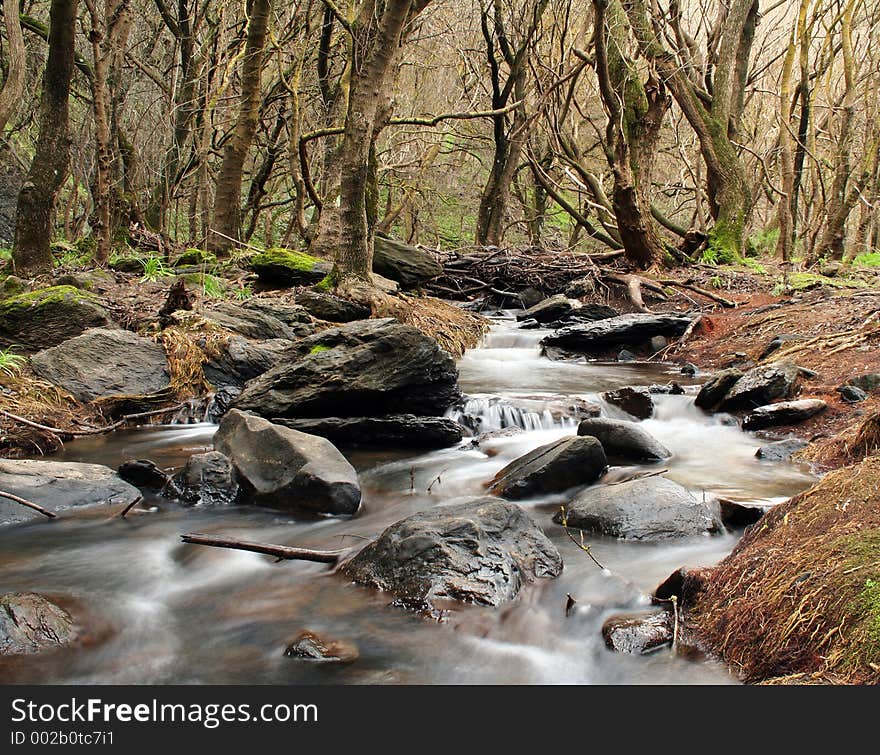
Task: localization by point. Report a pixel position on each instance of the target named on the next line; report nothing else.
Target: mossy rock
(127, 265)
(287, 267)
(89, 280)
(196, 257)
(205, 283)
(49, 316)
(12, 285)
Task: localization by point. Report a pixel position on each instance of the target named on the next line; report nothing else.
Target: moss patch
(195, 257)
(287, 267)
(319, 349)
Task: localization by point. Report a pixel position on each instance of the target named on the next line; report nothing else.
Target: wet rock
(658, 343)
(780, 450)
(623, 439)
(308, 646)
(29, 623)
(553, 308)
(248, 321)
(852, 394)
(288, 469)
(716, 387)
(380, 366)
(219, 403)
(242, 360)
(207, 479)
(689, 369)
(868, 382)
(530, 324)
(48, 316)
(738, 515)
(143, 474)
(410, 266)
(760, 386)
(481, 551)
(332, 308)
(392, 431)
(670, 389)
(287, 267)
(649, 508)
(625, 355)
(639, 633)
(552, 468)
(783, 413)
(585, 313)
(59, 485)
(102, 363)
(616, 331)
(530, 296)
(634, 401)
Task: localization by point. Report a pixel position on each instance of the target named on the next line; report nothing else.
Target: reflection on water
(157, 611)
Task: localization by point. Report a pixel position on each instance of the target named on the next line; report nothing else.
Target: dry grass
(188, 344)
(853, 444)
(454, 328)
(800, 594)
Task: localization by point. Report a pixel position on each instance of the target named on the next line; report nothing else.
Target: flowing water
(157, 611)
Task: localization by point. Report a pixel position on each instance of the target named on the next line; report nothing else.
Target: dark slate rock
(634, 401)
(29, 623)
(738, 515)
(410, 266)
(248, 321)
(760, 386)
(207, 479)
(623, 439)
(392, 431)
(716, 387)
(242, 360)
(331, 308)
(617, 331)
(548, 310)
(783, 413)
(852, 394)
(143, 474)
(481, 551)
(552, 468)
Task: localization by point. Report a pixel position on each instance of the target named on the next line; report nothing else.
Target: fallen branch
(29, 504)
(130, 506)
(701, 291)
(281, 552)
(91, 430)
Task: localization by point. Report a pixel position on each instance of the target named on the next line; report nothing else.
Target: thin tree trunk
(13, 87)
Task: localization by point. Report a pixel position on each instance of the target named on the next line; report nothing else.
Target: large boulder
(46, 317)
(624, 439)
(716, 387)
(249, 321)
(634, 401)
(481, 551)
(331, 307)
(617, 331)
(647, 508)
(294, 315)
(783, 413)
(552, 468)
(59, 485)
(207, 479)
(408, 265)
(103, 362)
(553, 308)
(287, 267)
(29, 623)
(286, 468)
(760, 386)
(380, 366)
(241, 360)
(393, 431)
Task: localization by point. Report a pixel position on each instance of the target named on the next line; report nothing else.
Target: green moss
(804, 281)
(196, 257)
(43, 296)
(327, 283)
(319, 349)
(723, 245)
(863, 610)
(869, 259)
(291, 258)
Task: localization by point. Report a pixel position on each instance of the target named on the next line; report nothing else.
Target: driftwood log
(281, 552)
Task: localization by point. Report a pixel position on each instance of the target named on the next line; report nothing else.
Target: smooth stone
(780, 450)
(783, 413)
(760, 386)
(410, 266)
(548, 310)
(638, 633)
(617, 331)
(621, 438)
(716, 387)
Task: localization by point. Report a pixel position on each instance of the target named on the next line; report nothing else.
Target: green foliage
(243, 292)
(319, 349)
(755, 266)
(868, 259)
(196, 257)
(5, 253)
(10, 363)
(709, 256)
(762, 243)
(716, 281)
(213, 287)
(327, 283)
(155, 268)
(723, 245)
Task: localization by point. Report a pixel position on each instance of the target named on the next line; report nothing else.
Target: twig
(437, 480)
(29, 504)
(130, 506)
(582, 545)
(281, 552)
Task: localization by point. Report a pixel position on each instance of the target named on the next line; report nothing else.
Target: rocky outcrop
(408, 265)
(377, 365)
(481, 551)
(287, 267)
(585, 313)
(29, 623)
(783, 413)
(242, 360)
(558, 466)
(331, 308)
(287, 469)
(249, 321)
(617, 331)
(638, 633)
(392, 431)
(59, 485)
(293, 315)
(101, 363)
(760, 386)
(207, 479)
(624, 440)
(553, 308)
(634, 401)
(716, 387)
(649, 508)
(46, 317)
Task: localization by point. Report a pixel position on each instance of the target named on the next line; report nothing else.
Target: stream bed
(160, 612)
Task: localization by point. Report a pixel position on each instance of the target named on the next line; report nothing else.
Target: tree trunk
(36, 201)
(227, 200)
(13, 87)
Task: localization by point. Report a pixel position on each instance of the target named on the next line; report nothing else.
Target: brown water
(157, 611)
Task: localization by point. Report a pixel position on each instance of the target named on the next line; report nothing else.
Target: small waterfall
(481, 414)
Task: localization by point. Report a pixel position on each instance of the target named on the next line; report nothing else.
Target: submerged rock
(760, 386)
(207, 479)
(101, 363)
(40, 319)
(393, 431)
(634, 401)
(783, 413)
(59, 485)
(408, 265)
(288, 469)
(558, 466)
(649, 508)
(623, 439)
(376, 366)
(29, 623)
(481, 551)
(617, 331)
(308, 646)
(639, 633)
